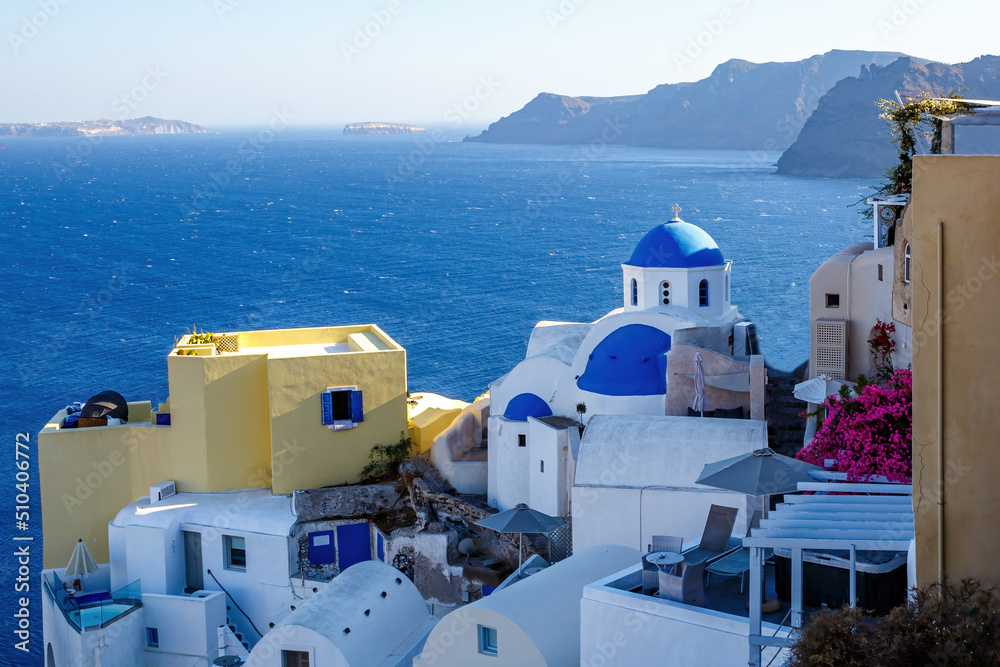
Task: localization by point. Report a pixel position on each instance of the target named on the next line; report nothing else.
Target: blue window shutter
(357, 407)
(321, 548)
(327, 401)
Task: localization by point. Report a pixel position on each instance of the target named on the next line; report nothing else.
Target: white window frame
(907, 259)
(342, 424)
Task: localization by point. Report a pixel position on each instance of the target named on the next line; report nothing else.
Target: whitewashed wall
(622, 628)
(185, 625)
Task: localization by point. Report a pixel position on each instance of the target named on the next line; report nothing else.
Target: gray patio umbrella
(762, 472)
(522, 519)
(81, 562)
(699, 384)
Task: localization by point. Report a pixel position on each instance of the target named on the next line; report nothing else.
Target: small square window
(522, 440)
(487, 640)
(342, 407)
(294, 659)
(236, 552)
(541, 466)
(880, 272)
(833, 301)
(152, 637)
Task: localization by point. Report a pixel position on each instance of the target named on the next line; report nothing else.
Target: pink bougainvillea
(870, 434)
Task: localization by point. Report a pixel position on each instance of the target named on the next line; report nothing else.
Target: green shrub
(383, 460)
(940, 626)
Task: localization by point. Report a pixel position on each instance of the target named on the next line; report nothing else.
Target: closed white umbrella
(699, 384)
(81, 562)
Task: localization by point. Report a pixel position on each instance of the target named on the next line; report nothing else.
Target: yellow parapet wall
(245, 419)
(429, 414)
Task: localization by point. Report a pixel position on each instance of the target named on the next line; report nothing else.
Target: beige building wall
(862, 281)
(956, 316)
(902, 293)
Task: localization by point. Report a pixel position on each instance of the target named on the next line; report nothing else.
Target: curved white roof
(259, 511)
(373, 636)
(545, 606)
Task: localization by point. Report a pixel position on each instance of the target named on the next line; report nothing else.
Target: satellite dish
(467, 546)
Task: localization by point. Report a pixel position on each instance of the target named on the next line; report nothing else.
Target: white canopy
(819, 388)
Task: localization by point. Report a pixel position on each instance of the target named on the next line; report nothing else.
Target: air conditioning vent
(831, 348)
(158, 492)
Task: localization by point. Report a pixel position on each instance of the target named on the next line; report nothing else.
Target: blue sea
(111, 248)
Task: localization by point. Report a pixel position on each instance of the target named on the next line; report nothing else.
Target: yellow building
(956, 366)
(286, 409)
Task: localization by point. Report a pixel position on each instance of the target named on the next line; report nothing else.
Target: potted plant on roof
(581, 409)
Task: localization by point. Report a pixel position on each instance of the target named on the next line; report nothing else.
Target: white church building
(676, 290)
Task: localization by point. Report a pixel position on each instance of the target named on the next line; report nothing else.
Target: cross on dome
(676, 209)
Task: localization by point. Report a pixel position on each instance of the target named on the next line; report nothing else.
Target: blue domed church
(676, 292)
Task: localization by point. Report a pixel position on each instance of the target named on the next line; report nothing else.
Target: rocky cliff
(742, 105)
(845, 138)
(101, 128)
(382, 128)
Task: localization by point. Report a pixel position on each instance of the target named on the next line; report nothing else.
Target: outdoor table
(663, 559)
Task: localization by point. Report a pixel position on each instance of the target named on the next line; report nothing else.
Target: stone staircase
(233, 628)
(235, 645)
(785, 425)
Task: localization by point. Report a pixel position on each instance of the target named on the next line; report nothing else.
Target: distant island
(382, 128)
(102, 127)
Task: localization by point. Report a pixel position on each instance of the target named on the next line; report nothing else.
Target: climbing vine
(882, 346)
(906, 122)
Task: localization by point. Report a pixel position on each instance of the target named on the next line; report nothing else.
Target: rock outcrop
(742, 105)
(845, 138)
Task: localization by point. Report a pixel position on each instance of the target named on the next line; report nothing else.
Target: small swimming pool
(98, 615)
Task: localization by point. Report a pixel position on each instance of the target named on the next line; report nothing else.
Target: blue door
(355, 544)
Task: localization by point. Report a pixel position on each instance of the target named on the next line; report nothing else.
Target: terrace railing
(99, 613)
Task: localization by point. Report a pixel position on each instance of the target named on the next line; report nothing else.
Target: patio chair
(650, 579)
(715, 537)
(736, 562)
(687, 587)
(666, 543)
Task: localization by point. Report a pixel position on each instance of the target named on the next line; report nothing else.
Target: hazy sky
(435, 62)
